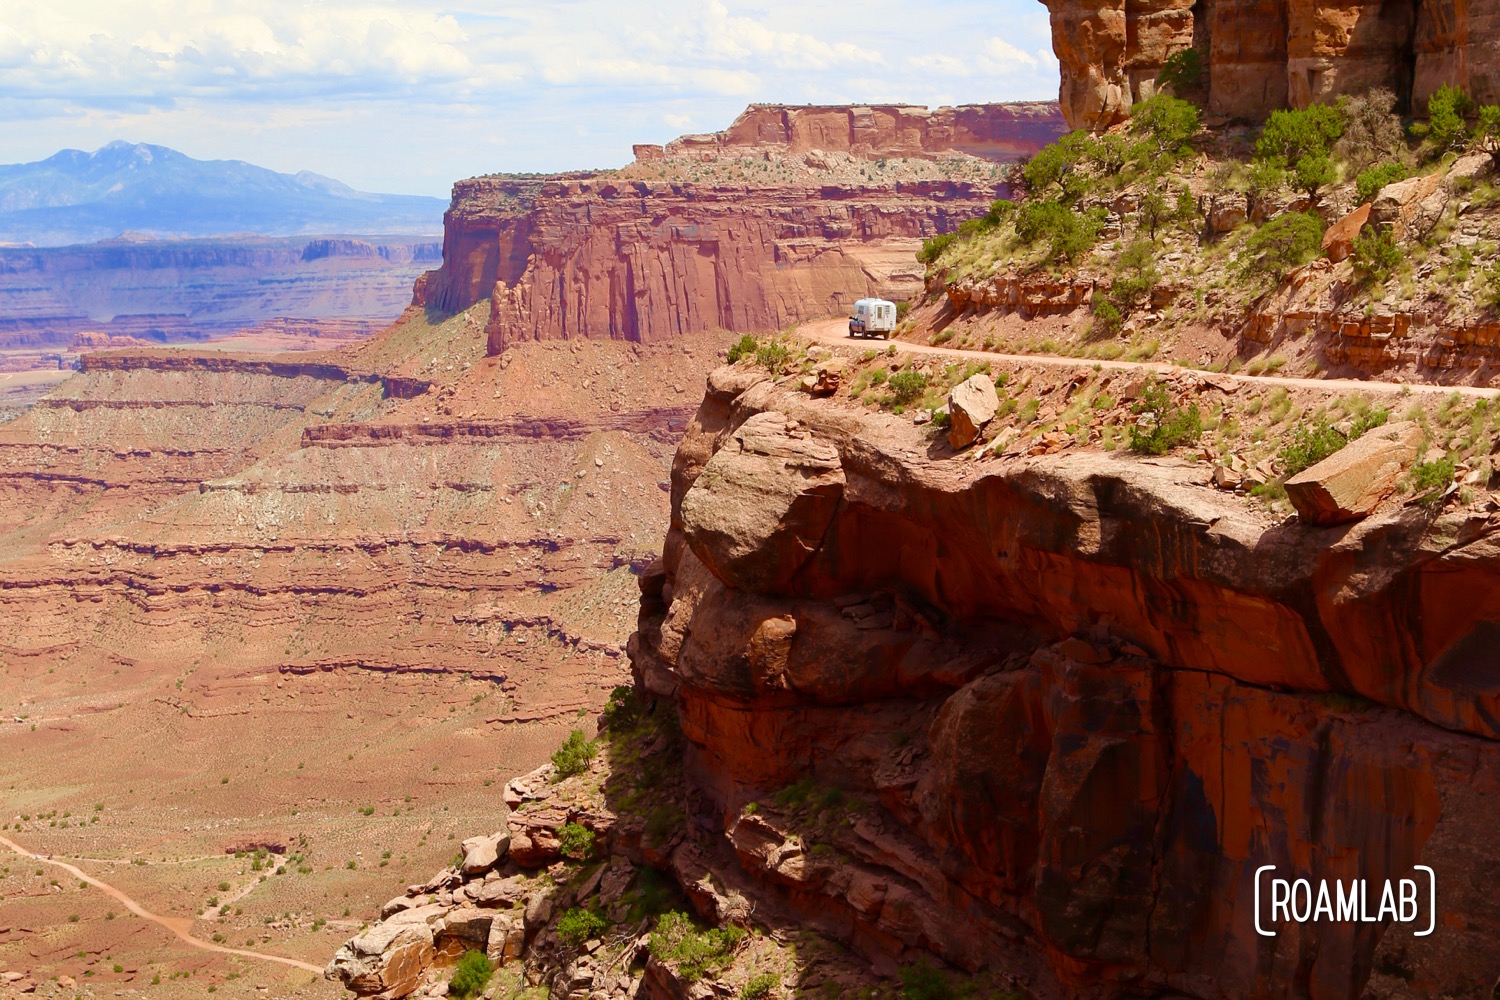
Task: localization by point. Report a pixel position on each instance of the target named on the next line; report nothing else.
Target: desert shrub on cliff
(773, 355)
(574, 756)
(1165, 122)
(1448, 110)
(1289, 136)
(1067, 234)
(576, 841)
(694, 951)
(906, 385)
(1370, 181)
(761, 986)
(1161, 425)
(1487, 132)
(1057, 164)
(742, 348)
(933, 247)
(1285, 242)
(1372, 130)
(924, 981)
(1182, 73)
(577, 925)
(1375, 254)
(470, 976)
(1311, 443)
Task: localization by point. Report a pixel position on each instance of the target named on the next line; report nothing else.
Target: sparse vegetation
(470, 976)
(574, 756)
(577, 841)
(578, 925)
(694, 951)
(1160, 424)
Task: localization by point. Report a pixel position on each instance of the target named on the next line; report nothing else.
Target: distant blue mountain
(78, 197)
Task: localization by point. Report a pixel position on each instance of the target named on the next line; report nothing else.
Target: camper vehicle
(873, 318)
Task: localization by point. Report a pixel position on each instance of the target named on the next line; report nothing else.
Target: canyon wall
(1260, 55)
(790, 213)
(1070, 705)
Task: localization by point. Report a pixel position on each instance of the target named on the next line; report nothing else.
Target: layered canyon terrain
(279, 627)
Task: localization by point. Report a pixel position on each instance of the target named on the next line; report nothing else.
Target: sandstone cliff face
(1077, 703)
(790, 213)
(1260, 55)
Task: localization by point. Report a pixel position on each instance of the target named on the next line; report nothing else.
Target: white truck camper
(873, 318)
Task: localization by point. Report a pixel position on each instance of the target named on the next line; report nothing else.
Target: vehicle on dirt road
(873, 318)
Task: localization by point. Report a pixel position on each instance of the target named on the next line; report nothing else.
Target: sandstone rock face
(1348, 484)
(386, 962)
(482, 853)
(654, 251)
(1260, 55)
(971, 404)
(1409, 208)
(772, 488)
(1079, 703)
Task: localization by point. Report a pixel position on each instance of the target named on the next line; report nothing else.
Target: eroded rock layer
(1260, 55)
(791, 213)
(1078, 702)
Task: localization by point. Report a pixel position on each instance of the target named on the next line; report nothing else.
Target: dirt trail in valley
(179, 926)
(836, 331)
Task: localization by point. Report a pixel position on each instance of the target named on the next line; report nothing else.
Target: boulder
(1338, 241)
(507, 936)
(1351, 482)
(971, 404)
(1226, 212)
(483, 853)
(1471, 168)
(386, 962)
(463, 929)
(495, 891)
(758, 510)
(1409, 208)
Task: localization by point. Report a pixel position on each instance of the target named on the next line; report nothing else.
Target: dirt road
(836, 331)
(179, 926)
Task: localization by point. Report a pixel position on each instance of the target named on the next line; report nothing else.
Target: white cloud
(405, 94)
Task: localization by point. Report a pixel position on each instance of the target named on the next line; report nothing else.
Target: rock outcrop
(1059, 715)
(1348, 484)
(1260, 55)
(789, 214)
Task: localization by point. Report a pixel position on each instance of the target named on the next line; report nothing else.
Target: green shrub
(1109, 153)
(576, 841)
(759, 987)
(1489, 287)
(923, 981)
(742, 348)
(1289, 136)
(1447, 111)
(579, 925)
(906, 385)
(1182, 72)
(1165, 122)
(1000, 210)
(1285, 242)
(1375, 254)
(902, 308)
(622, 712)
(574, 756)
(1313, 173)
(1105, 312)
(1429, 476)
(1487, 133)
(692, 950)
(1056, 163)
(1369, 182)
(1135, 274)
(1310, 444)
(1068, 234)
(1161, 425)
(470, 976)
(773, 355)
(933, 247)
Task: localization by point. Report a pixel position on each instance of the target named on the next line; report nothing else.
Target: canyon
(1258, 57)
(358, 589)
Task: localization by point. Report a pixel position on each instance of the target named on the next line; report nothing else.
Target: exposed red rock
(1260, 55)
(788, 214)
(1079, 703)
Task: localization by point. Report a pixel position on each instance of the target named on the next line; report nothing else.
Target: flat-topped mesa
(1260, 55)
(789, 214)
(992, 131)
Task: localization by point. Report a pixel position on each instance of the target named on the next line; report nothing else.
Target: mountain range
(78, 197)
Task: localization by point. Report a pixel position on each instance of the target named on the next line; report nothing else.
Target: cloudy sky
(407, 96)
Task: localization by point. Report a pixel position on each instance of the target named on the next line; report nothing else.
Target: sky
(408, 95)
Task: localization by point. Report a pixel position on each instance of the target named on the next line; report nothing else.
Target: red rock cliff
(1078, 703)
(1265, 54)
(790, 213)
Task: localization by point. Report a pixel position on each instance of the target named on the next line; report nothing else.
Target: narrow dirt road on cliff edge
(836, 331)
(179, 926)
